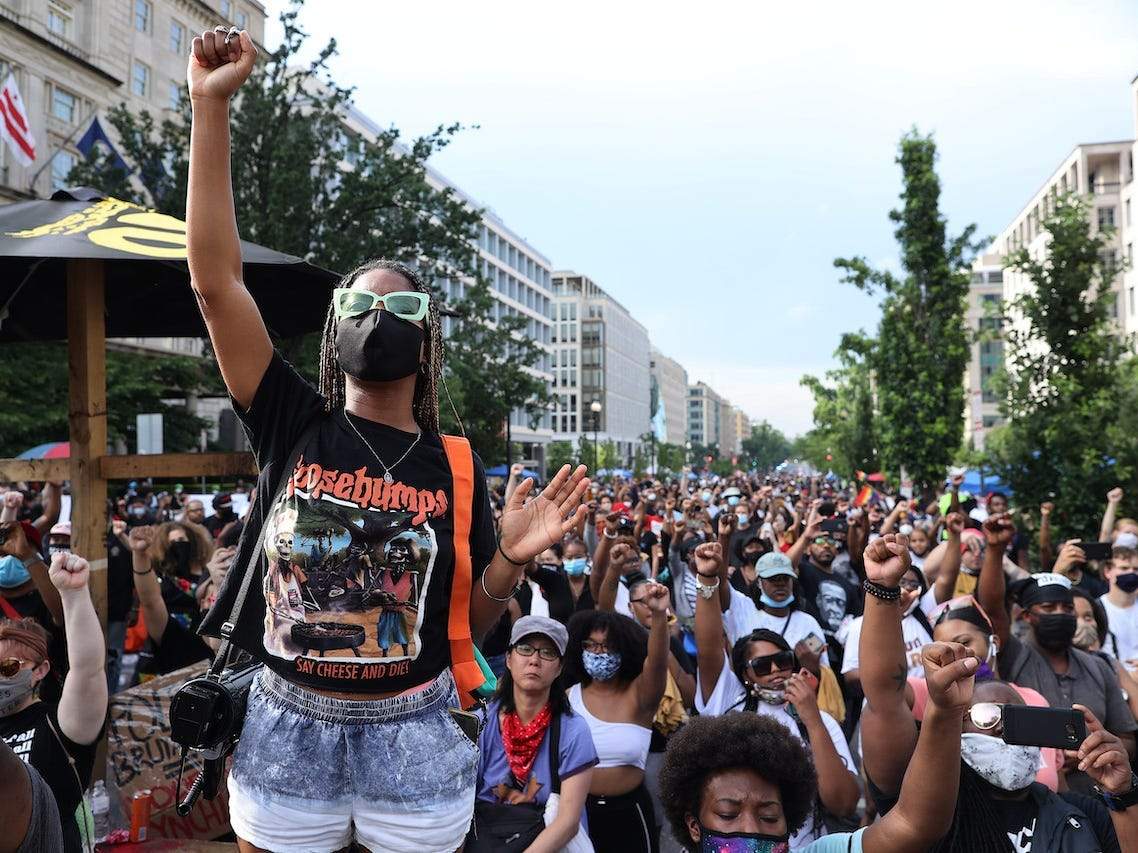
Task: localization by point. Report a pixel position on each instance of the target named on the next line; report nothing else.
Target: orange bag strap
(467, 674)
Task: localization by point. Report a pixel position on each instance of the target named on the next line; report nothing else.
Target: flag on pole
(14, 127)
(863, 496)
(95, 135)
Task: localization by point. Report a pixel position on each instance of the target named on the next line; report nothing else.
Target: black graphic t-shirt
(830, 595)
(355, 571)
(1019, 817)
(30, 736)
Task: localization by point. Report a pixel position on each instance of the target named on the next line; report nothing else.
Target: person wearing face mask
(617, 672)
(575, 564)
(26, 591)
(1047, 661)
(59, 739)
(223, 515)
(546, 590)
(832, 596)
(350, 466)
(1121, 602)
(763, 676)
(739, 784)
(137, 512)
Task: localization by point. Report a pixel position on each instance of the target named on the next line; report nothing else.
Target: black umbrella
(147, 289)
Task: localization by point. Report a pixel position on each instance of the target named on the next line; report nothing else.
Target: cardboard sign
(141, 756)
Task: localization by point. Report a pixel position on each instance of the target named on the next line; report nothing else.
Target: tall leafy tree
(1070, 435)
(765, 447)
(922, 347)
(304, 184)
(845, 434)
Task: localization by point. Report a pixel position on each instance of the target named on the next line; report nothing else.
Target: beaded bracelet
(885, 593)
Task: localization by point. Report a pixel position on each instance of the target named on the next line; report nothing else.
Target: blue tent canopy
(503, 471)
(992, 483)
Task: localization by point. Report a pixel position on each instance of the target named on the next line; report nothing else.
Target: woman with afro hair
(741, 783)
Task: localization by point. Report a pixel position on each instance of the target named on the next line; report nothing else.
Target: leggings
(623, 824)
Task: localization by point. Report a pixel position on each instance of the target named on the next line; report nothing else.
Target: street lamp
(687, 452)
(595, 408)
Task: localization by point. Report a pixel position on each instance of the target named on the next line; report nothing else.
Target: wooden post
(87, 370)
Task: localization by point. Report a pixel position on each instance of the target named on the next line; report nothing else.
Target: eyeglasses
(764, 664)
(595, 647)
(543, 652)
(405, 304)
(10, 667)
(943, 611)
(986, 715)
(910, 584)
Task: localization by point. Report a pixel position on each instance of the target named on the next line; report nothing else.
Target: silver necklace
(387, 478)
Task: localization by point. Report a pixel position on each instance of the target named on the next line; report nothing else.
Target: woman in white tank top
(618, 672)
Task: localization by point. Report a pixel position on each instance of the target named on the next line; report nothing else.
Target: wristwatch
(1121, 802)
(703, 590)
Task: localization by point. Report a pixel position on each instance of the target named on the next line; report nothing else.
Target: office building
(981, 405)
(1128, 207)
(669, 391)
(705, 415)
(73, 60)
(736, 426)
(601, 354)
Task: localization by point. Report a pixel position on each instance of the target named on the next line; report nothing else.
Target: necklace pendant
(387, 478)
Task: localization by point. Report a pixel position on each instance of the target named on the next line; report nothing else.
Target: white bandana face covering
(1004, 765)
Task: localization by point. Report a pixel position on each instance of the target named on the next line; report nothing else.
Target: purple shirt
(577, 754)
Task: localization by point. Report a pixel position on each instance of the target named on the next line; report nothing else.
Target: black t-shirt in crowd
(1018, 818)
(355, 572)
(829, 595)
(179, 647)
(30, 736)
(120, 584)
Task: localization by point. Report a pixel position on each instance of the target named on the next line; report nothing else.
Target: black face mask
(1127, 582)
(1054, 631)
(377, 346)
(180, 557)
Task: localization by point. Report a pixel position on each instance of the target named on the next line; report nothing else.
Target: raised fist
(887, 559)
(68, 572)
(220, 63)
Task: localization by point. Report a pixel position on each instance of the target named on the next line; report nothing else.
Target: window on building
(1128, 221)
(174, 95)
(63, 104)
(59, 19)
(177, 37)
(226, 9)
(990, 421)
(61, 165)
(1106, 217)
(1132, 301)
(143, 12)
(996, 277)
(242, 21)
(140, 79)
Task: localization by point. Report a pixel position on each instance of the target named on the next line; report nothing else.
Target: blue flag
(94, 134)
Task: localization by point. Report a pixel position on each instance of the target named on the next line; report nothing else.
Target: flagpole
(70, 136)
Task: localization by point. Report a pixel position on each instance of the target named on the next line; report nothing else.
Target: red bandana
(521, 741)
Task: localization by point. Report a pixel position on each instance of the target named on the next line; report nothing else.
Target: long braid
(425, 405)
(976, 826)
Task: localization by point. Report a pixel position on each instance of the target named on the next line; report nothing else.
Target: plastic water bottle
(100, 810)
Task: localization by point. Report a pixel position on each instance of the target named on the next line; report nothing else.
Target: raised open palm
(530, 526)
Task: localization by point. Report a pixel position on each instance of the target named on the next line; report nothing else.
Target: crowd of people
(752, 633)
(758, 662)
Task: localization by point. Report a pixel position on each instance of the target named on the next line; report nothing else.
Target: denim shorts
(312, 773)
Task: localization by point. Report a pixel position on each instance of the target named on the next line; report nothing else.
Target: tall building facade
(1128, 208)
(985, 293)
(736, 426)
(601, 354)
(705, 415)
(669, 391)
(74, 58)
(1099, 172)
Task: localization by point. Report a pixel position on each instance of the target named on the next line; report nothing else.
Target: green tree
(765, 447)
(34, 396)
(561, 453)
(845, 422)
(1069, 436)
(921, 349)
(670, 457)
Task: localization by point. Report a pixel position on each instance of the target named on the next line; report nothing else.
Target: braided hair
(425, 405)
(977, 826)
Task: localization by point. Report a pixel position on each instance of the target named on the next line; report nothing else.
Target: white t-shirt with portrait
(914, 633)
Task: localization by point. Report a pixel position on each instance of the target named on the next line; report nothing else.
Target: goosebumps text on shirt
(349, 558)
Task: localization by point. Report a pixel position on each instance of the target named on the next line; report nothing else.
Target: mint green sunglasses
(405, 304)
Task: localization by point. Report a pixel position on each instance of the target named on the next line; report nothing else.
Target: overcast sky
(705, 163)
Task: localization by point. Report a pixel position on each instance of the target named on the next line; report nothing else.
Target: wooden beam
(12, 470)
(87, 370)
(135, 467)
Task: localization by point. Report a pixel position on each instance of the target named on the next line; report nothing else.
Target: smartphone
(471, 724)
(835, 525)
(1097, 550)
(1057, 727)
(814, 643)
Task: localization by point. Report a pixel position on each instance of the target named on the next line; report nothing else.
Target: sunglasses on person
(543, 652)
(404, 304)
(986, 715)
(765, 664)
(10, 667)
(943, 611)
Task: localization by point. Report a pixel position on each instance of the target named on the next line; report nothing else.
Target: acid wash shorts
(312, 773)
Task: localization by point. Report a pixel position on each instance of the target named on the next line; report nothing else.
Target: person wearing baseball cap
(59, 537)
(529, 713)
(1047, 661)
